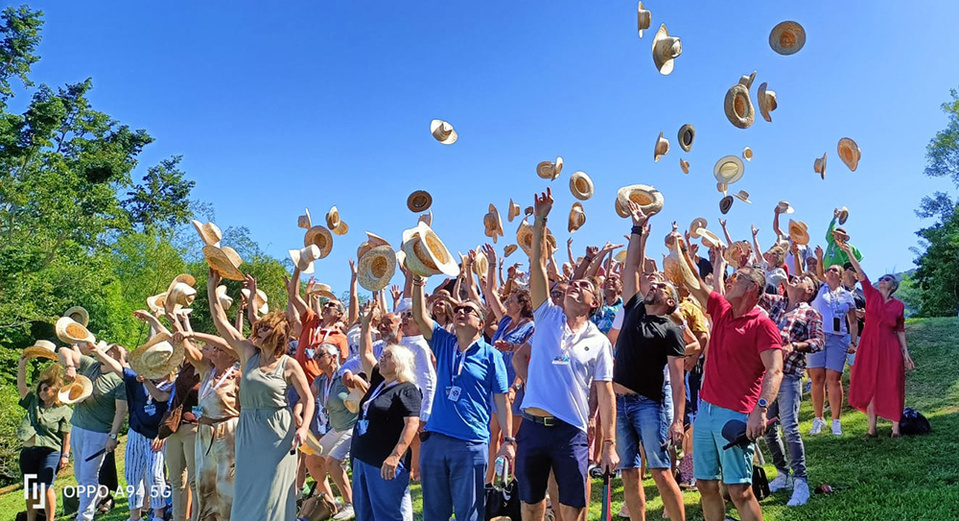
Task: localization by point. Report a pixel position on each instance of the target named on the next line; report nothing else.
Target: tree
(162, 198)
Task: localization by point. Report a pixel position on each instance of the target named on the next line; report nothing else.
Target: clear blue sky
(319, 103)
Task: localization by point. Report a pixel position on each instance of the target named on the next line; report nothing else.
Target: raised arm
(155, 392)
(569, 251)
(697, 287)
(296, 302)
(729, 240)
(779, 233)
(468, 272)
(153, 321)
(757, 251)
(489, 292)
(635, 252)
(251, 308)
(240, 345)
(22, 378)
(538, 283)
(820, 270)
(718, 259)
(579, 271)
(366, 338)
(420, 314)
(353, 309)
(108, 361)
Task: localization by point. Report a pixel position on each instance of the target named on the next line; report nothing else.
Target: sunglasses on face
(886, 278)
(466, 310)
(330, 305)
(406, 314)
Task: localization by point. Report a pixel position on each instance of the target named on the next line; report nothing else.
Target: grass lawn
(882, 479)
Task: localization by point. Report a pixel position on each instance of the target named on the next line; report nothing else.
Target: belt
(545, 421)
(212, 422)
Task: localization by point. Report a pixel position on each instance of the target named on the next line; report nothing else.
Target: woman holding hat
(877, 385)
(45, 433)
(835, 237)
(267, 433)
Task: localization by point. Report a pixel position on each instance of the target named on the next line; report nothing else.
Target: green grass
(912, 478)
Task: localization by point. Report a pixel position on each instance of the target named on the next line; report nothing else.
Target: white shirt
(425, 374)
(562, 388)
(353, 340)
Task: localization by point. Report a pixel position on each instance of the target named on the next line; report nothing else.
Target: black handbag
(503, 503)
(760, 483)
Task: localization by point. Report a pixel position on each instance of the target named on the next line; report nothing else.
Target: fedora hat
(324, 290)
(581, 185)
(321, 237)
(304, 221)
(643, 19)
(661, 148)
(696, 226)
(79, 314)
(156, 303)
(819, 166)
(513, 211)
(798, 232)
(577, 218)
(509, 249)
(226, 302)
(738, 106)
(260, 303)
(209, 232)
(849, 153)
(729, 169)
(710, 239)
(684, 165)
(419, 201)
(550, 169)
(443, 131)
(648, 198)
(225, 261)
(335, 224)
(524, 238)
(785, 207)
(493, 223)
(840, 235)
(157, 358)
(41, 349)
(735, 251)
(76, 391)
(180, 293)
(304, 257)
(748, 154)
(767, 101)
(426, 254)
(843, 215)
(725, 204)
(743, 196)
(687, 134)
(72, 332)
(376, 268)
(787, 38)
(666, 48)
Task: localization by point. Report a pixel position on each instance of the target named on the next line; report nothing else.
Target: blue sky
(328, 103)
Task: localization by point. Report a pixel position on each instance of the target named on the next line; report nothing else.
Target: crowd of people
(609, 361)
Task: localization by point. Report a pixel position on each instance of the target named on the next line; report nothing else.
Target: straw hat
(725, 204)
(843, 215)
(324, 290)
(748, 154)
(226, 261)
(735, 251)
(72, 332)
(304, 220)
(577, 218)
(729, 169)
(684, 165)
(785, 207)
(426, 218)
(722, 188)
(156, 303)
(696, 226)
(661, 148)
(157, 358)
(840, 235)
(787, 38)
(743, 196)
(443, 132)
(581, 185)
(372, 241)
(819, 166)
(352, 402)
(666, 48)
(524, 238)
(226, 302)
(620, 256)
(527, 211)
(376, 267)
(480, 263)
(710, 239)
(798, 232)
(335, 224)
(180, 293)
(79, 314)
(493, 223)
(41, 349)
(648, 198)
(209, 232)
(767, 101)
(76, 391)
(687, 133)
(419, 201)
(513, 211)
(426, 254)
(321, 237)
(643, 19)
(509, 249)
(312, 446)
(849, 153)
(738, 106)
(550, 169)
(260, 303)
(304, 257)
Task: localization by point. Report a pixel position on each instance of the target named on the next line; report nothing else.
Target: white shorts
(336, 444)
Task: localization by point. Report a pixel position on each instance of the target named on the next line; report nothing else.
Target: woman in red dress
(878, 381)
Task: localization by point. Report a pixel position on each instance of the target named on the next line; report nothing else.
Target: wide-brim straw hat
(550, 169)
(798, 232)
(729, 169)
(686, 136)
(785, 207)
(843, 215)
(747, 154)
(156, 303)
(661, 148)
(260, 303)
(180, 293)
(649, 199)
(620, 256)
(334, 223)
(696, 226)
(735, 251)
(226, 302)
(725, 204)
(710, 240)
(509, 249)
(352, 402)
(426, 254)
(304, 221)
(738, 105)
(72, 332)
(225, 261)
(480, 263)
(819, 166)
(76, 391)
(321, 238)
(376, 267)
(323, 290)
(304, 257)
(514, 211)
(41, 349)
(443, 132)
(82, 315)
(312, 446)
(524, 238)
(684, 165)
(840, 235)
(849, 153)
(372, 241)
(581, 185)
(787, 37)
(643, 19)
(209, 232)
(158, 358)
(577, 217)
(419, 201)
(666, 49)
(767, 101)
(493, 223)
(743, 196)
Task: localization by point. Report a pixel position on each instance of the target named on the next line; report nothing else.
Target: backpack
(913, 422)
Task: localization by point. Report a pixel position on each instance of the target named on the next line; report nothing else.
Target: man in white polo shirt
(568, 353)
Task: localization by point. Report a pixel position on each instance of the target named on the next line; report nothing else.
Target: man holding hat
(317, 329)
(835, 235)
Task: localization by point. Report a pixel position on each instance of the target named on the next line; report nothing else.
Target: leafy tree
(162, 197)
(20, 36)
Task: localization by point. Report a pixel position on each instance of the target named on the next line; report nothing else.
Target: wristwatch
(114, 435)
(762, 404)
(509, 439)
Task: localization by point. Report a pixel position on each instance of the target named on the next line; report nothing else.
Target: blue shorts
(733, 465)
(42, 462)
(562, 448)
(832, 356)
(641, 421)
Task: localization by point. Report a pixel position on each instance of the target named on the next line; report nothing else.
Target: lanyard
(326, 391)
(376, 392)
(206, 388)
(461, 355)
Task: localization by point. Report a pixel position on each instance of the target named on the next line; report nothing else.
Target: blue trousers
(453, 473)
(376, 499)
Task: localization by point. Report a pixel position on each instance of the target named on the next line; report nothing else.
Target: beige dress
(219, 403)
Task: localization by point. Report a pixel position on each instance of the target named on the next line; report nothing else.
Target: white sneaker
(345, 513)
(783, 481)
(624, 511)
(836, 428)
(800, 493)
(817, 425)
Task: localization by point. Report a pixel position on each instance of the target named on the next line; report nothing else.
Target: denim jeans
(641, 421)
(786, 407)
(376, 499)
(453, 473)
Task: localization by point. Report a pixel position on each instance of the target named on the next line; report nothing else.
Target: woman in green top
(45, 433)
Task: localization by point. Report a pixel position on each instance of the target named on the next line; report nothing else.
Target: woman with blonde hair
(267, 433)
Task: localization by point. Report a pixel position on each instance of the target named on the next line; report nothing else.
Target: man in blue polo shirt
(455, 444)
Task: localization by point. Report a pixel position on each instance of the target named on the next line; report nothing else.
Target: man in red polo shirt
(317, 329)
(742, 375)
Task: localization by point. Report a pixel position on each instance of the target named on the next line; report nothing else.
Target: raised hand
(569, 242)
(490, 253)
(142, 315)
(543, 203)
(755, 231)
(396, 293)
(352, 270)
(722, 222)
(592, 252)
(250, 283)
(637, 213)
(819, 252)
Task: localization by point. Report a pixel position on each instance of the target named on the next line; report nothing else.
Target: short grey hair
(331, 349)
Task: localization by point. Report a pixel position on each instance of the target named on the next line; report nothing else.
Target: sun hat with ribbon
(649, 199)
(729, 169)
(509, 249)
(180, 293)
(493, 223)
(304, 221)
(524, 238)
(748, 154)
(843, 215)
(376, 267)
(577, 217)
(710, 239)
(819, 166)
(158, 358)
(849, 153)
(419, 201)
(684, 165)
(260, 303)
(643, 19)
(666, 48)
(687, 133)
(798, 232)
(696, 226)
(226, 302)
(735, 251)
(661, 148)
(334, 223)
(725, 204)
(550, 169)
(581, 185)
(767, 101)
(514, 210)
(304, 257)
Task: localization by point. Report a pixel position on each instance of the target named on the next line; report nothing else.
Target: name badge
(453, 393)
(561, 360)
(310, 353)
(150, 410)
(197, 411)
(361, 426)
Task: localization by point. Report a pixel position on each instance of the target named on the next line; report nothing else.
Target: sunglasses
(466, 310)
(886, 278)
(406, 314)
(330, 305)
